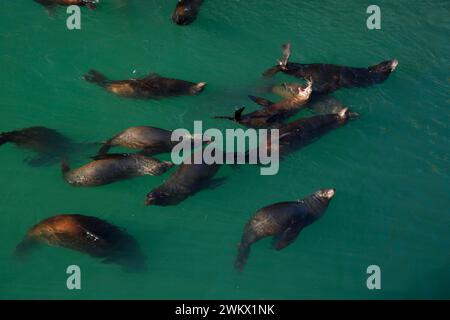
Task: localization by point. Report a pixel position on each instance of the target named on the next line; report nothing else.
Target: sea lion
(186, 181)
(90, 235)
(328, 77)
(50, 145)
(109, 168)
(283, 221)
(272, 113)
(82, 3)
(150, 140)
(152, 86)
(186, 11)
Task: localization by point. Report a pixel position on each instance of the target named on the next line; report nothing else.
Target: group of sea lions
(283, 221)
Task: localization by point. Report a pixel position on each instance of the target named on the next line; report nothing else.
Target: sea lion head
(156, 197)
(197, 88)
(325, 194)
(305, 92)
(185, 13)
(385, 66)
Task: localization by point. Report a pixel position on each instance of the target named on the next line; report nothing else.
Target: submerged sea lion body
(283, 221)
(86, 234)
(151, 87)
(114, 167)
(87, 3)
(186, 181)
(186, 11)
(149, 139)
(50, 145)
(329, 77)
(273, 114)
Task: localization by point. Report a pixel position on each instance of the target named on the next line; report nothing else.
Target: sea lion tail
(4, 138)
(237, 115)
(243, 253)
(95, 77)
(24, 248)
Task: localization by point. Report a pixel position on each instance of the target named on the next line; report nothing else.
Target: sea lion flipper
(287, 236)
(261, 101)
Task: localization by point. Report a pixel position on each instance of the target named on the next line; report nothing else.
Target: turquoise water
(390, 168)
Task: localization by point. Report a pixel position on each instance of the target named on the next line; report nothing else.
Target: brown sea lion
(186, 11)
(82, 3)
(50, 145)
(152, 86)
(273, 114)
(86, 234)
(186, 181)
(150, 140)
(328, 77)
(113, 167)
(283, 221)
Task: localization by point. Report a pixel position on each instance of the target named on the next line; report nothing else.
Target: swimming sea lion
(186, 11)
(82, 3)
(328, 77)
(186, 181)
(283, 221)
(50, 145)
(86, 234)
(152, 86)
(272, 113)
(113, 167)
(150, 140)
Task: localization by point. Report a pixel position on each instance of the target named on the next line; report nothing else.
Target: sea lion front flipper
(288, 236)
(261, 101)
(111, 156)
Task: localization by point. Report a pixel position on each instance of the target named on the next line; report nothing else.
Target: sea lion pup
(49, 144)
(186, 11)
(283, 221)
(150, 140)
(186, 181)
(273, 114)
(113, 167)
(86, 234)
(82, 3)
(328, 77)
(152, 86)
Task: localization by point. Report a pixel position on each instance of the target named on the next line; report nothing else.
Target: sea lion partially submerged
(150, 140)
(50, 145)
(152, 86)
(86, 234)
(283, 221)
(186, 11)
(186, 181)
(273, 113)
(82, 3)
(328, 77)
(113, 167)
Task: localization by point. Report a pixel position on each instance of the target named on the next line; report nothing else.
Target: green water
(390, 168)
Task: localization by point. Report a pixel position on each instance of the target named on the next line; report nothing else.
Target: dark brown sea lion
(150, 140)
(283, 221)
(328, 77)
(186, 181)
(86, 234)
(272, 113)
(87, 3)
(113, 167)
(50, 145)
(152, 86)
(186, 11)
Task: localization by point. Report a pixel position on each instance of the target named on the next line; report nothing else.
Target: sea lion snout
(199, 87)
(156, 198)
(326, 194)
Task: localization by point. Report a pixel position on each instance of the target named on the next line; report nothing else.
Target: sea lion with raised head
(109, 168)
(273, 114)
(186, 11)
(50, 145)
(82, 3)
(152, 86)
(186, 181)
(329, 77)
(283, 221)
(86, 234)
